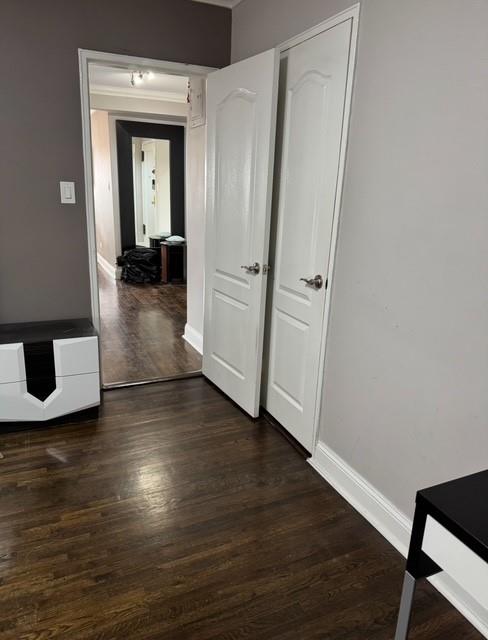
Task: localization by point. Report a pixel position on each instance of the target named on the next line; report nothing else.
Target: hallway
(173, 516)
(141, 332)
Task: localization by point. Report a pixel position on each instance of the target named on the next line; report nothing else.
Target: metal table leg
(419, 565)
(406, 602)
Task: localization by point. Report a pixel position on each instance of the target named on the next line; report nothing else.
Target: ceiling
(230, 4)
(117, 82)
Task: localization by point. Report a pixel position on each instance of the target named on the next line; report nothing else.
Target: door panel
(289, 381)
(311, 113)
(241, 106)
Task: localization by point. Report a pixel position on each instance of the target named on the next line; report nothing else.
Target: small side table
(173, 262)
(450, 533)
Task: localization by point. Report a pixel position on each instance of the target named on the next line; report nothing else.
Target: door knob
(253, 268)
(317, 282)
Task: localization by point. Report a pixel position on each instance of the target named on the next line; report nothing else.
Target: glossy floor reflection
(141, 331)
(175, 517)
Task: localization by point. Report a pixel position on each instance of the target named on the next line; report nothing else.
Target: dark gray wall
(43, 246)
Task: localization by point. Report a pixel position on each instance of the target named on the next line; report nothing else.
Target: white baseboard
(391, 523)
(194, 337)
(111, 270)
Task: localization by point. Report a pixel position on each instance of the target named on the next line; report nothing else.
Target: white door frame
(86, 57)
(349, 14)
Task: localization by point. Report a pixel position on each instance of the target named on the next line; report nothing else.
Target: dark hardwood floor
(174, 516)
(141, 332)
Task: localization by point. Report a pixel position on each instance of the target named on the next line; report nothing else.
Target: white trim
(162, 96)
(194, 338)
(230, 4)
(110, 269)
(338, 18)
(122, 61)
(391, 523)
(89, 193)
(380, 512)
(349, 14)
(98, 57)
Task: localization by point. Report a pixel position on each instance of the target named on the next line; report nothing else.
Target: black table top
(30, 332)
(461, 506)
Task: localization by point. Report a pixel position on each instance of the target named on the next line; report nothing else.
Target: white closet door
(241, 108)
(311, 114)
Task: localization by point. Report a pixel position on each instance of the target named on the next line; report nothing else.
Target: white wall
(102, 173)
(195, 232)
(138, 105)
(408, 355)
(406, 398)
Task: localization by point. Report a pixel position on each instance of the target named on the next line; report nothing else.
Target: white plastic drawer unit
(457, 560)
(45, 375)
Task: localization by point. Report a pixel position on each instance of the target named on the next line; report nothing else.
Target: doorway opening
(312, 82)
(138, 190)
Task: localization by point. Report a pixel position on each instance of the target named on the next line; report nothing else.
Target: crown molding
(162, 96)
(230, 4)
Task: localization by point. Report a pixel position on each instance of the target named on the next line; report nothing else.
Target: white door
(137, 185)
(311, 107)
(148, 188)
(163, 188)
(241, 107)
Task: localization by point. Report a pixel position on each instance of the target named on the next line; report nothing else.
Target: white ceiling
(115, 81)
(230, 4)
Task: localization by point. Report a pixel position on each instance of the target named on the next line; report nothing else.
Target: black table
(173, 262)
(450, 533)
(29, 332)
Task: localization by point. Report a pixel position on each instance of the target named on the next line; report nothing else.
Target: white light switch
(67, 190)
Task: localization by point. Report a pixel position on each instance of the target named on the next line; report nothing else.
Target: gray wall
(43, 247)
(406, 392)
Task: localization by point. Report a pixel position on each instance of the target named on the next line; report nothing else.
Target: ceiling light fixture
(138, 77)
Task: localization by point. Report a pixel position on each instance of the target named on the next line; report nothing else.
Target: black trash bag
(140, 265)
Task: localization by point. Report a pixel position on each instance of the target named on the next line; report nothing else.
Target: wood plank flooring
(174, 516)
(141, 331)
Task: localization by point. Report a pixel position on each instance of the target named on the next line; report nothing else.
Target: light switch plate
(67, 190)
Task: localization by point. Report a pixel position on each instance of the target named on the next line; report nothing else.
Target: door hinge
(144, 229)
(142, 156)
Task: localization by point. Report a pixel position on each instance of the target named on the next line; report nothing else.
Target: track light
(138, 77)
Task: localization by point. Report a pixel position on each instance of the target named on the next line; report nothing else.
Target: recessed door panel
(303, 155)
(288, 382)
(229, 352)
(234, 157)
